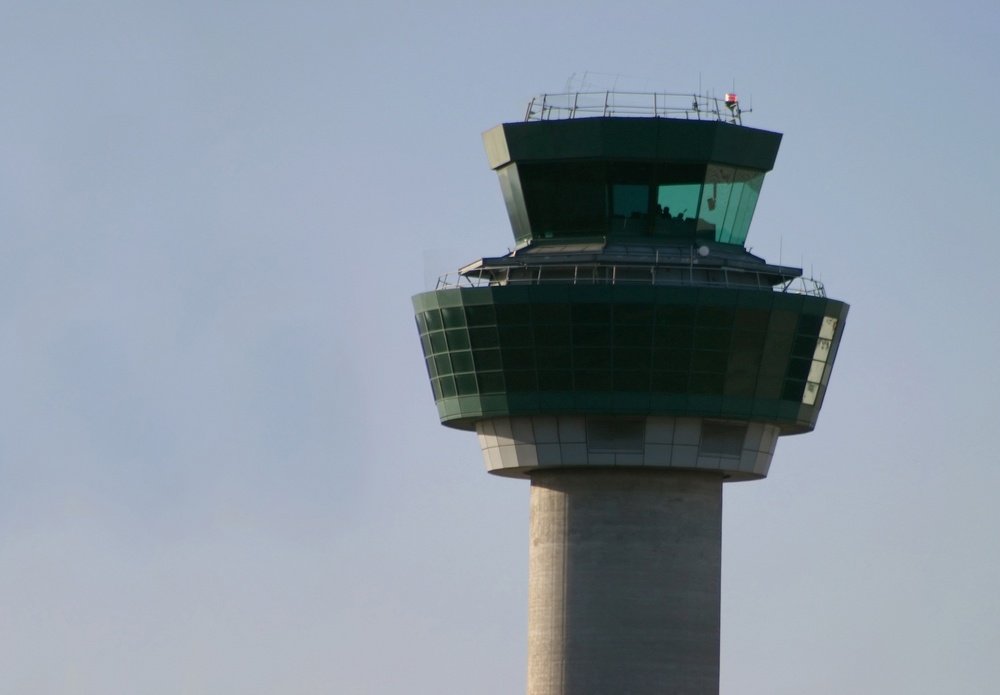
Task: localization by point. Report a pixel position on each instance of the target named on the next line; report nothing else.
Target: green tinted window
(630, 210)
(461, 361)
(728, 201)
(748, 185)
(491, 382)
(565, 201)
(677, 208)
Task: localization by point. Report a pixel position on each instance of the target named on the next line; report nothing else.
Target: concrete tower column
(624, 583)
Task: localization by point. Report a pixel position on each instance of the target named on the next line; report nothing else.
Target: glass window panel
(425, 343)
(438, 343)
(480, 315)
(716, 317)
(433, 320)
(629, 210)
(740, 383)
(466, 384)
(436, 388)
(442, 364)
(672, 358)
(792, 390)
(565, 200)
(748, 186)
(462, 361)
(678, 337)
(631, 380)
(520, 380)
(715, 200)
(748, 340)
(674, 316)
(782, 322)
(518, 358)
(706, 383)
(594, 380)
(804, 346)
(750, 319)
(709, 361)
(516, 336)
(490, 382)
(633, 358)
(453, 317)
(712, 339)
(822, 352)
(553, 358)
(487, 359)
(591, 358)
(484, 337)
(448, 389)
(591, 335)
(768, 388)
(591, 313)
(641, 314)
(809, 325)
(555, 379)
(798, 369)
(458, 339)
(550, 313)
(508, 314)
(553, 335)
(671, 382)
(633, 336)
(678, 209)
(816, 371)
(829, 328)
(811, 394)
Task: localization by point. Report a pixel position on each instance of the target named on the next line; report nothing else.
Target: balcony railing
(592, 274)
(547, 107)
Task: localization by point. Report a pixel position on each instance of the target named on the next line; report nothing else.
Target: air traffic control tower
(628, 357)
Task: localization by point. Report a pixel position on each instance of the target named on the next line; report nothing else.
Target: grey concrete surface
(624, 584)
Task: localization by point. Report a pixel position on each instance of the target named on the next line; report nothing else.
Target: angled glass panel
(715, 200)
(746, 191)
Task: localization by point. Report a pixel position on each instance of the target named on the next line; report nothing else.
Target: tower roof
(576, 173)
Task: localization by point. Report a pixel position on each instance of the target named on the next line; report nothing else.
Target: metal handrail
(608, 274)
(569, 105)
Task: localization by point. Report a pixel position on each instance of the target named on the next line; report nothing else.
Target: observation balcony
(603, 274)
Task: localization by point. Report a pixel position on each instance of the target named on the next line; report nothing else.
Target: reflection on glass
(712, 202)
(629, 209)
(810, 394)
(677, 209)
(820, 357)
(828, 328)
(746, 192)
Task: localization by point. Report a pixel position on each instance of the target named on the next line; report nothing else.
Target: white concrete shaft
(624, 582)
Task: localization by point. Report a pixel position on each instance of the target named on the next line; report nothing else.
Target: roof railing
(552, 107)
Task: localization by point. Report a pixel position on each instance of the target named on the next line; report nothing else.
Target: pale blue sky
(220, 464)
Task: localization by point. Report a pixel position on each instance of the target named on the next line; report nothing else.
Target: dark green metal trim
(665, 140)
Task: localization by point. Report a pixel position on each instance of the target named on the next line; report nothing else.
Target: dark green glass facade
(617, 350)
(653, 179)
